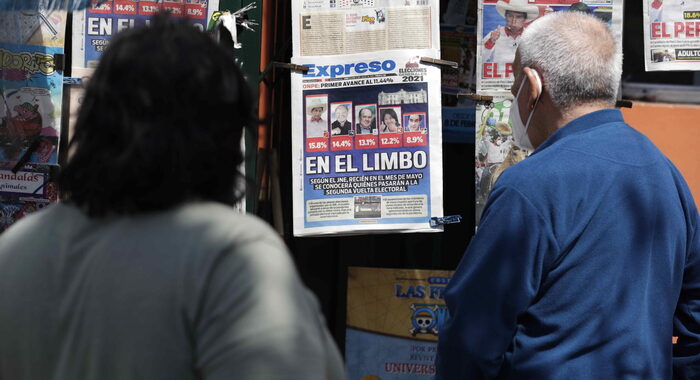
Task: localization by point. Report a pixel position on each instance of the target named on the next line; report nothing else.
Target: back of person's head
(161, 123)
(577, 55)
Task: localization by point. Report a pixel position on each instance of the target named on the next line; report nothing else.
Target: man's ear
(534, 89)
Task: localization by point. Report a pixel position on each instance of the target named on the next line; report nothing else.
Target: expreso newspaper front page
(367, 144)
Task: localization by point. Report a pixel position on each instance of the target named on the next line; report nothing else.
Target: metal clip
(440, 62)
(440, 220)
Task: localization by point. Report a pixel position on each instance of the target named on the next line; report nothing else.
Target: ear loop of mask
(539, 93)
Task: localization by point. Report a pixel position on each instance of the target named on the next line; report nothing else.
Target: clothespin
(476, 97)
(440, 62)
(291, 66)
(441, 220)
(72, 80)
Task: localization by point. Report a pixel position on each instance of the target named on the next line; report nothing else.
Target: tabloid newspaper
(94, 26)
(337, 27)
(499, 38)
(671, 35)
(495, 148)
(393, 320)
(367, 144)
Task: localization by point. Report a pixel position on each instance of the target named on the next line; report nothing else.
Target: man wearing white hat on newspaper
(316, 125)
(500, 44)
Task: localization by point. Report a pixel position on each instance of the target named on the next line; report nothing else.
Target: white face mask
(519, 129)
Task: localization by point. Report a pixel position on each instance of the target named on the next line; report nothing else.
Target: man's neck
(556, 119)
(580, 110)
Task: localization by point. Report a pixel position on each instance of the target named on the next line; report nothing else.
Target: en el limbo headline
(378, 161)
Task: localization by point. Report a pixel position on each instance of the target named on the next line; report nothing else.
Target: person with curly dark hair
(145, 271)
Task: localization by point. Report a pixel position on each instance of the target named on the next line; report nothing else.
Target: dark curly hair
(161, 124)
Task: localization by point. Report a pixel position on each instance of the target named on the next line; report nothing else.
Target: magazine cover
(31, 88)
(393, 320)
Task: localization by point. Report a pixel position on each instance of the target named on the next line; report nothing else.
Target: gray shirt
(197, 292)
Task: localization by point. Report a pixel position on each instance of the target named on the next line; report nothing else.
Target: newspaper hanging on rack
(495, 148)
(95, 26)
(338, 27)
(366, 144)
(499, 36)
(671, 35)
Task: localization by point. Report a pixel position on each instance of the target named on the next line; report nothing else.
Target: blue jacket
(585, 264)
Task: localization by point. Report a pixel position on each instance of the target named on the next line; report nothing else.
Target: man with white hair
(587, 258)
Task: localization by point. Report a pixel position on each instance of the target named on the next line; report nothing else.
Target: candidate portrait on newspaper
(499, 44)
(316, 124)
(366, 124)
(341, 126)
